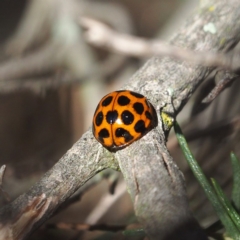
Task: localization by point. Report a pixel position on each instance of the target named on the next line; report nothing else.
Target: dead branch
(105, 203)
(84, 227)
(224, 78)
(100, 35)
(88, 185)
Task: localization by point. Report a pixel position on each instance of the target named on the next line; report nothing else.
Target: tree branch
(153, 180)
(100, 35)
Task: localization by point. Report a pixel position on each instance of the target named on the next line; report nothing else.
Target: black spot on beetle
(127, 117)
(140, 127)
(123, 100)
(148, 115)
(99, 119)
(112, 116)
(138, 107)
(121, 132)
(104, 133)
(107, 101)
(137, 95)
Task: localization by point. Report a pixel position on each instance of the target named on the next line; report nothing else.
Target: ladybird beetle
(122, 117)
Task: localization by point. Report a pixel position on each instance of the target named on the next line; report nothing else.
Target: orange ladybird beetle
(122, 117)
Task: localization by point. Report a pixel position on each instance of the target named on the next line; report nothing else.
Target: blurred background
(51, 80)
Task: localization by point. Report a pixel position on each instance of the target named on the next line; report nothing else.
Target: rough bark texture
(153, 180)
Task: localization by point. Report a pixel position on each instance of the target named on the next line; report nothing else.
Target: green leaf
(222, 213)
(236, 181)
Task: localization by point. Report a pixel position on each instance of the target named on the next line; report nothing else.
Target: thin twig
(225, 79)
(108, 174)
(89, 227)
(100, 35)
(105, 203)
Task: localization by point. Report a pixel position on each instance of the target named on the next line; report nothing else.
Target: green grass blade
(226, 204)
(231, 229)
(236, 181)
